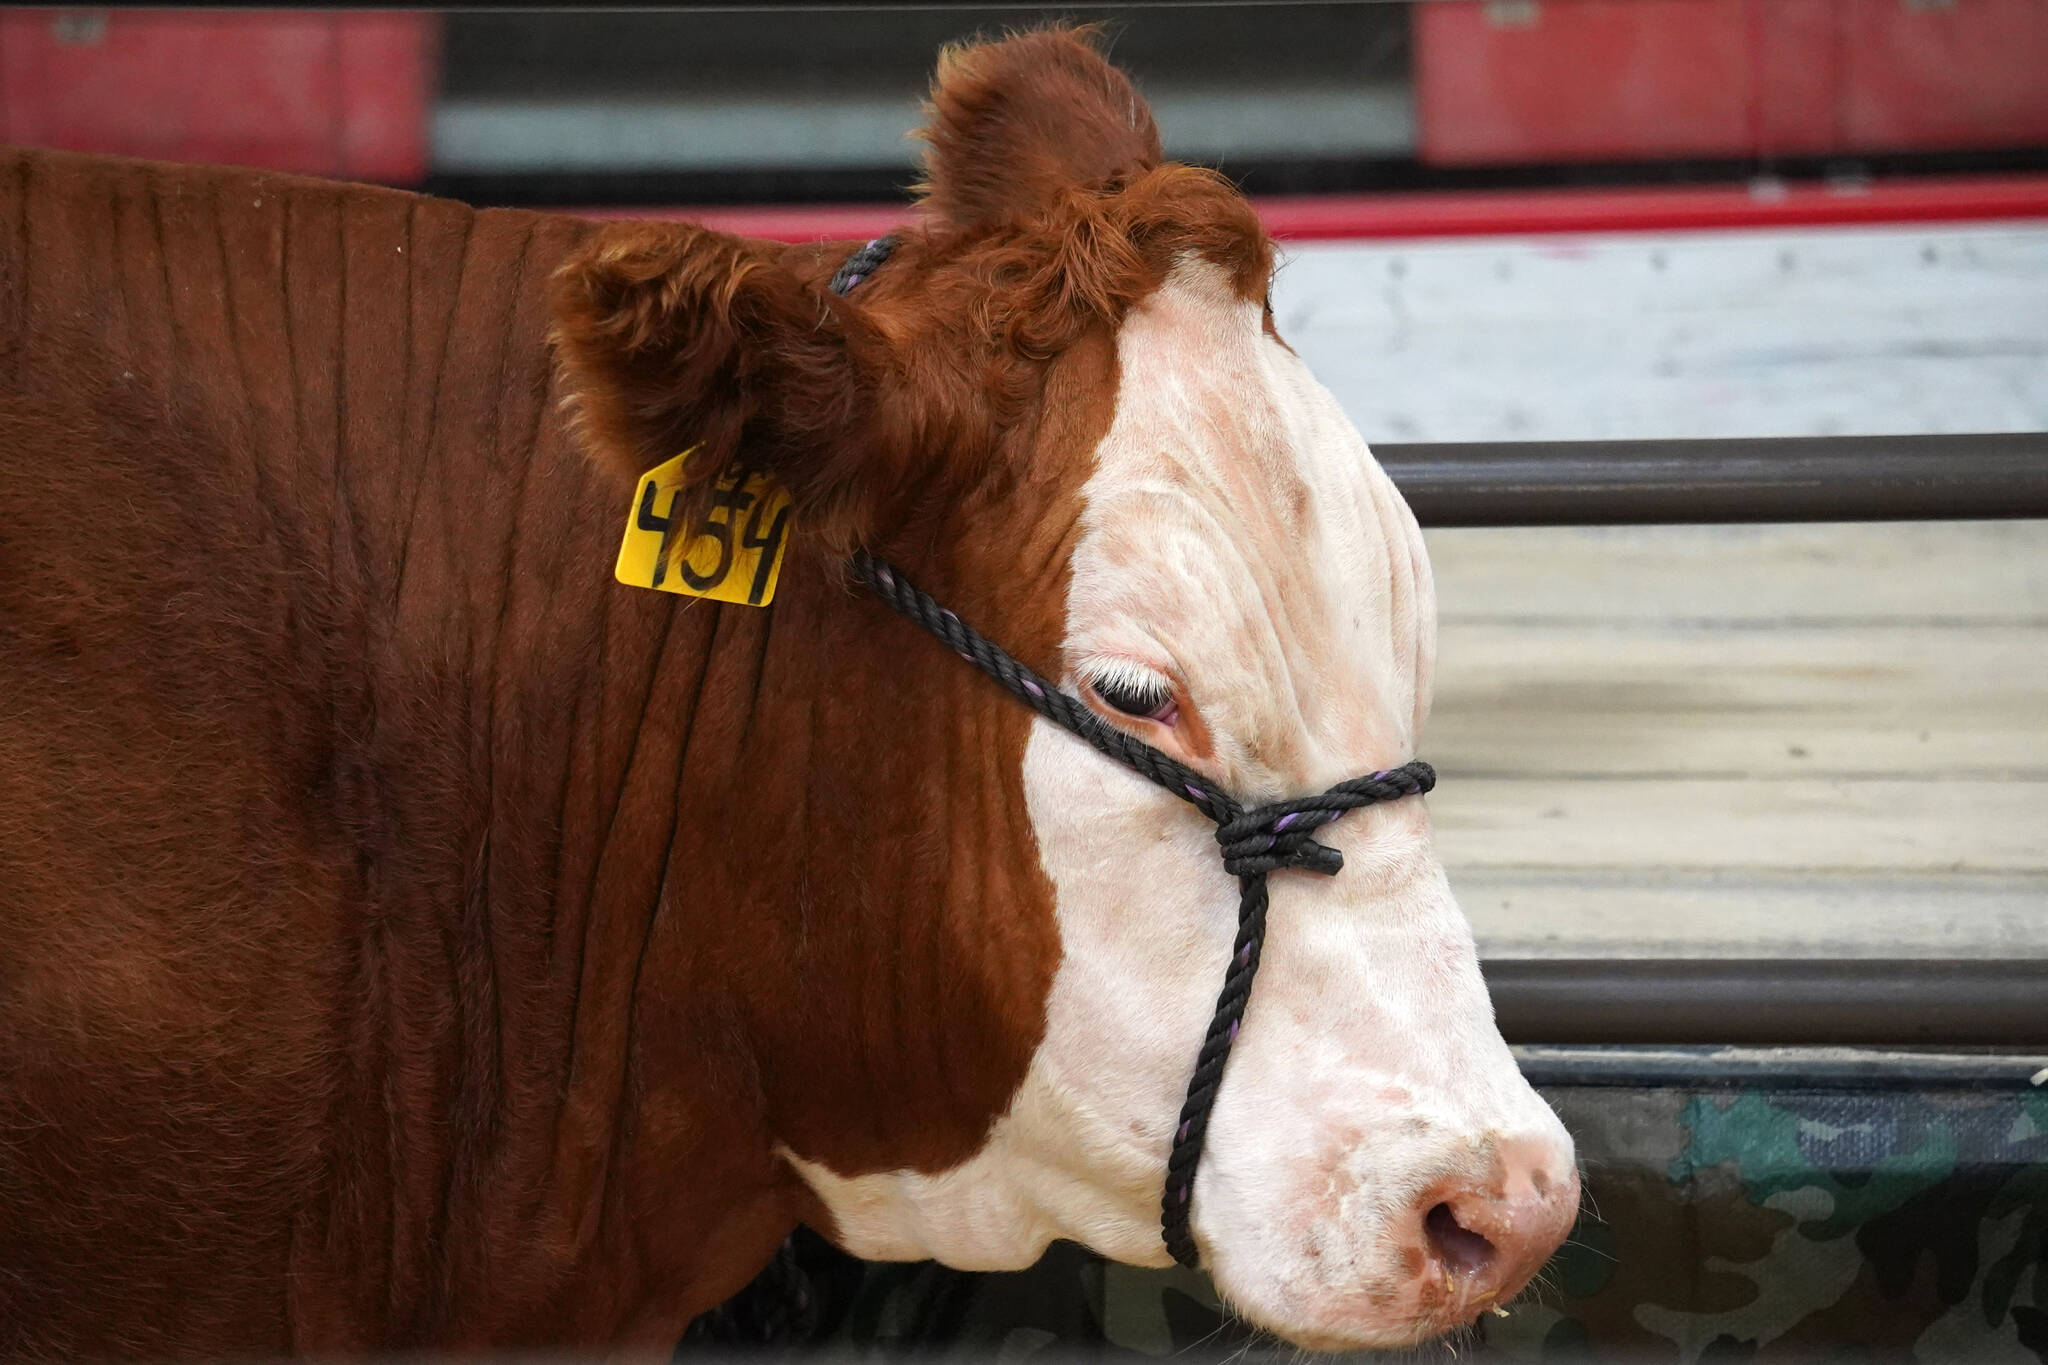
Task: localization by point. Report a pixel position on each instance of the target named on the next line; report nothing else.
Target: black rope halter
(1254, 842)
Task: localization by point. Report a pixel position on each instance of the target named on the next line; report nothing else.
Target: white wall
(1731, 333)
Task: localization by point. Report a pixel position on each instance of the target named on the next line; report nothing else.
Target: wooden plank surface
(1746, 740)
(1743, 824)
(1737, 912)
(1783, 576)
(1742, 701)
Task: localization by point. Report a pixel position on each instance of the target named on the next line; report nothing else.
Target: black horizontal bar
(1857, 1069)
(1815, 478)
(1889, 1002)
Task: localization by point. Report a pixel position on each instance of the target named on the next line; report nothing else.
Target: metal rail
(1843, 1002)
(1837, 1003)
(1815, 478)
(1853, 1069)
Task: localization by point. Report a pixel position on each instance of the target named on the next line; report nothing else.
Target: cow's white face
(1244, 558)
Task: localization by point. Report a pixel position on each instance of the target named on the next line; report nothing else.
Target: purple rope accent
(862, 264)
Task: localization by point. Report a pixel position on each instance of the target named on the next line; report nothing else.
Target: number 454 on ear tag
(735, 555)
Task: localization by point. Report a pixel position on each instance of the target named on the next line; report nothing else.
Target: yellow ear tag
(736, 556)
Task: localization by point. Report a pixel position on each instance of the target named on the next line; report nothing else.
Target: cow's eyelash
(1130, 688)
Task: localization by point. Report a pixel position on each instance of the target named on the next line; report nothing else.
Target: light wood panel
(1741, 701)
(1735, 912)
(1777, 577)
(1746, 740)
(1746, 823)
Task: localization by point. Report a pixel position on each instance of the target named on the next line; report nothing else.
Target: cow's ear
(672, 336)
(1014, 123)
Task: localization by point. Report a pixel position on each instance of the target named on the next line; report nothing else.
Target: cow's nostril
(1458, 1247)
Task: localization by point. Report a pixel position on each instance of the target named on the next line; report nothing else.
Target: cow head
(1064, 408)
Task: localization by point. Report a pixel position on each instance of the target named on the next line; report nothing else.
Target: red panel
(21, 84)
(1551, 80)
(1944, 73)
(1470, 213)
(1569, 80)
(390, 64)
(319, 93)
(1793, 52)
(1687, 208)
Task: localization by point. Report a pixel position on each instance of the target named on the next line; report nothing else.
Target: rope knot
(1278, 836)
(1259, 841)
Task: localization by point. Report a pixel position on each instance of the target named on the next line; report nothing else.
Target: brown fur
(1014, 125)
(879, 411)
(414, 938)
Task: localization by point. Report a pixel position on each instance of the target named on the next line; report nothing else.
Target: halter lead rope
(1253, 842)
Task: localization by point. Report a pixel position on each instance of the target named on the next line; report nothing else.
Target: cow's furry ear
(671, 336)
(1013, 123)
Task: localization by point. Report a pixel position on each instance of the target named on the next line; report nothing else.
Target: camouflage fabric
(1775, 1218)
(1799, 1224)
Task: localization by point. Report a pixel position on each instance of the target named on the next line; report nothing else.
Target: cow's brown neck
(725, 880)
(849, 818)
(582, 898)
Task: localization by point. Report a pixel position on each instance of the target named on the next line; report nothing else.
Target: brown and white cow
(411, 936)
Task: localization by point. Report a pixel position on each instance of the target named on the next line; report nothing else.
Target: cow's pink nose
(1487, 1237)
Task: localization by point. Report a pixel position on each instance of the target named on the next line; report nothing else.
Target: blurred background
(1407, 151)
(805, 104)
(1773, 796)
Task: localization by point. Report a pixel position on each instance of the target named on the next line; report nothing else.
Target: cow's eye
(1130, 699)
(1134, 691)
